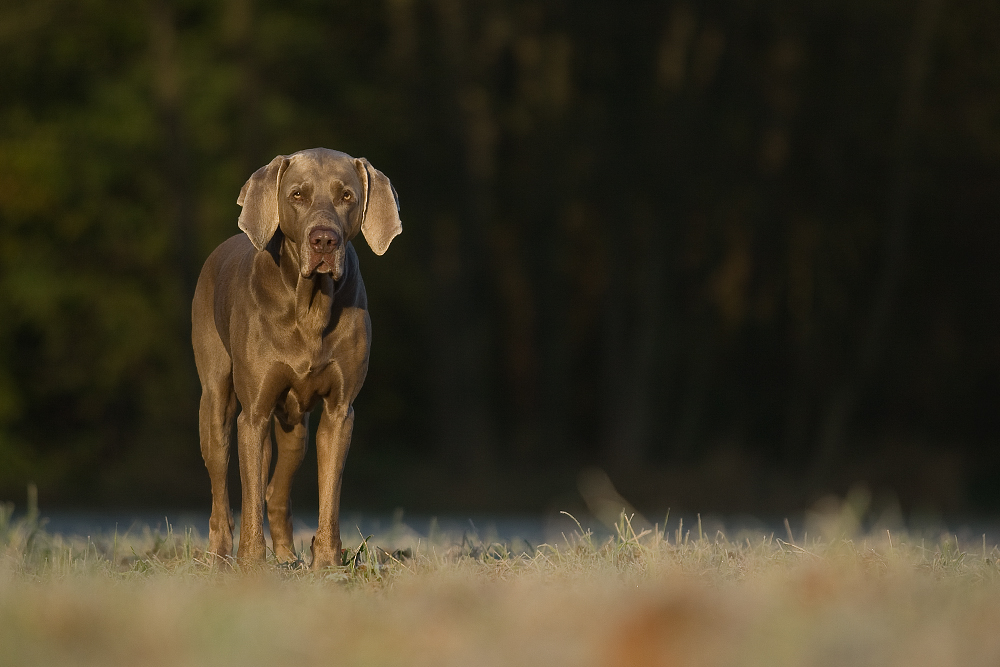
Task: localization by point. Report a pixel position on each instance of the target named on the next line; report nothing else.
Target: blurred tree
(712, 246)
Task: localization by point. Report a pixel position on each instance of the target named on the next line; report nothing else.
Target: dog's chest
(303, 393)
(310, 356)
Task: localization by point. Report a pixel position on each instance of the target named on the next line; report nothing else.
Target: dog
(279, 324)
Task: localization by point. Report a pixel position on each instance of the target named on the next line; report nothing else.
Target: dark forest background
(739, 254)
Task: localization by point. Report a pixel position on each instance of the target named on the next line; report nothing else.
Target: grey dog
(280, 322)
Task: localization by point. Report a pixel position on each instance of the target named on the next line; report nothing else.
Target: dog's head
(319, 199)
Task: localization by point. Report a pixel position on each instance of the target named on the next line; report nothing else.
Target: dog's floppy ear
(380, 222)
(259, 199)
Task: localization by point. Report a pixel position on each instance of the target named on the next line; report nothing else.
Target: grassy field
(646, 596)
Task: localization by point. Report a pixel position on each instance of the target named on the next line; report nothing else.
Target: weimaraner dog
(280, 321)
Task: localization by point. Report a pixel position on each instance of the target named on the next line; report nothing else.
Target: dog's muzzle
(324, 251)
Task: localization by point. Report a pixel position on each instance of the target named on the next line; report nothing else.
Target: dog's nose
(323, 241)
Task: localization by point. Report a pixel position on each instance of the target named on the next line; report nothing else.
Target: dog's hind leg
(216, 411)
(215, 424)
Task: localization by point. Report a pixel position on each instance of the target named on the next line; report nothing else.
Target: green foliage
(635, 236)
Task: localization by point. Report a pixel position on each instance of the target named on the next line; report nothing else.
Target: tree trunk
(843, 404)
(178, 164)
(465, 435)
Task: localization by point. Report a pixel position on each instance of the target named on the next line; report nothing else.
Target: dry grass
(643, 597)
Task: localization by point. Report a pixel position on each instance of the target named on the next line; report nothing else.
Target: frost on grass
(646, 595)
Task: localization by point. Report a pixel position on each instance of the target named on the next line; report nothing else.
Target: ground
(645, 596)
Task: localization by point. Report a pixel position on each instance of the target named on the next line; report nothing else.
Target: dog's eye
(297, 194)
(347, 196)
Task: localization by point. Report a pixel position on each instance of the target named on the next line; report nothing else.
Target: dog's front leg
(292, 443)
(254, 435)
(333, 439)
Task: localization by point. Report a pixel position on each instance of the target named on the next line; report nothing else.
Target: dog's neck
(313, 295)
